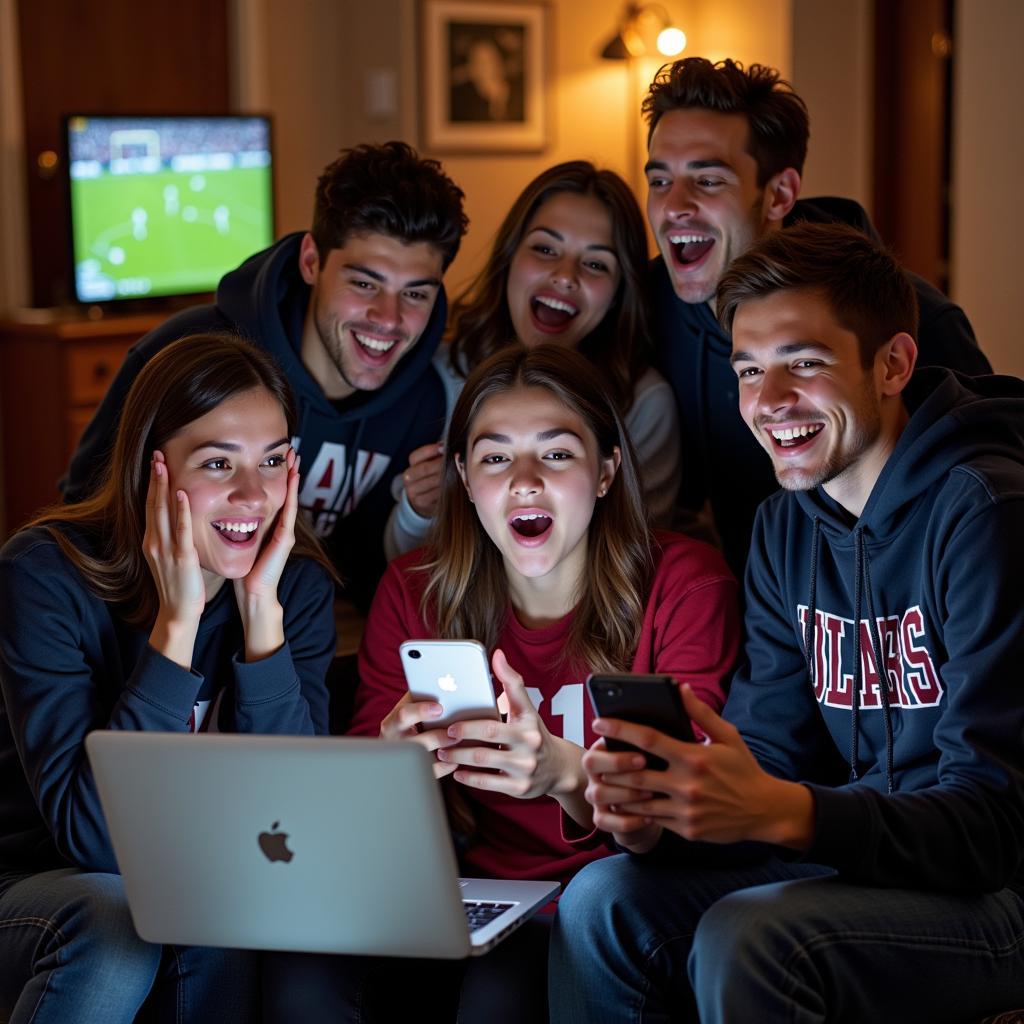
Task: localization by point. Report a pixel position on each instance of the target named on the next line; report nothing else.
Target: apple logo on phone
(274, 844)
(447, 683)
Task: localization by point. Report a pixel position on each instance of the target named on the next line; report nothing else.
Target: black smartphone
(646, 700)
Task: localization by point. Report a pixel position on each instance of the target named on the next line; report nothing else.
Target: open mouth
(237, 531)
(530, 525)
(375, 349)
(795, 437)
(691, 248)
(551, 313)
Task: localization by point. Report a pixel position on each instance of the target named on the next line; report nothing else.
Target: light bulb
(671, 41)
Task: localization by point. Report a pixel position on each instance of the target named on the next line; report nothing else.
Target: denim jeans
(505, 986)
(641, 941)
(69, 952)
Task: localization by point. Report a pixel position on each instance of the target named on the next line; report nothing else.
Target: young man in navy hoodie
(352, 311)
(726, 148)
(847, 845)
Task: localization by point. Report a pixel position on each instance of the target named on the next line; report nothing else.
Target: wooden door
(912, 150)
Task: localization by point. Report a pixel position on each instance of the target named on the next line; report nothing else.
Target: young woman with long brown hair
(542, 553)
(182, 596)
(568, 268)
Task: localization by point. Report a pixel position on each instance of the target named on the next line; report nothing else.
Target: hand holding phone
(651, 700)
(455, 674)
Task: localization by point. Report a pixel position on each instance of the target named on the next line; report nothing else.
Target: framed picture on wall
(483, 76)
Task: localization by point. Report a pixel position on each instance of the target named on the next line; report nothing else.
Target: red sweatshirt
(691, 630)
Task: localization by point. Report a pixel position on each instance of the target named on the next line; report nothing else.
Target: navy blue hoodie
(920, 783)
(722, 461)
(70, 664)
(351, 451)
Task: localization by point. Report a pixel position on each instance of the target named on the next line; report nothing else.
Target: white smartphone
(454, 673)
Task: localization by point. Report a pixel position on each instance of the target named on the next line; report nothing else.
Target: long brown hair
(481, 323)
(467, 590)
(184, 381)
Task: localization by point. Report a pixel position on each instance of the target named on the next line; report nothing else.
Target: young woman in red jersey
(543, 554)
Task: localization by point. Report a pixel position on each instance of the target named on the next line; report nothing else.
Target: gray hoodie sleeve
(653, 426)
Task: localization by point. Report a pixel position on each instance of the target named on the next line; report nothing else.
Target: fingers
(404, 718)
(426, 470)
(156, 466)
(711, 724)
(599, 760)
(290, 508)
(618, 823)
(157, 507)
(605, 791)
(519, 702)
(642, 736)
(426, 453)
(422, 480)
(183, 526)
(518, 763)
(442, 770)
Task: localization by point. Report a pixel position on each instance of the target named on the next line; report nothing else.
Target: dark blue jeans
(69, 953)
(505, 986)
(639, 941)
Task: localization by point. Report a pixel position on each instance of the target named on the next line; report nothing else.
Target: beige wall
(988, 211)
(595, 103)
(305, 62)
(832, 71)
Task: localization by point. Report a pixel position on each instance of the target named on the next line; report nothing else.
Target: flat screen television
(165, 206)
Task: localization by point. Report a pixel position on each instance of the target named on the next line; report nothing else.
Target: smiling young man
(726, 150)
(353, 311)
(848, 845)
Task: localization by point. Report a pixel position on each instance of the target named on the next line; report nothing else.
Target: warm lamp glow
(629, 40)
(671, 41)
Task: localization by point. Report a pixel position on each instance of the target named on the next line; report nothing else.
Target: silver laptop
(319, 845)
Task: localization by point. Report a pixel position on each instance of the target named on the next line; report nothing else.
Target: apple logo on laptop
(274, 844)
(447, 683)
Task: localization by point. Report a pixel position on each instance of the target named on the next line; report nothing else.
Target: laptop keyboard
(480, 913)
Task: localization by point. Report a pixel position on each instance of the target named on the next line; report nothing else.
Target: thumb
(512, 683)
(705, 718)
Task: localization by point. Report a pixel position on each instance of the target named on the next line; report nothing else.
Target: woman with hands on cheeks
(184, 595)
(543, 554)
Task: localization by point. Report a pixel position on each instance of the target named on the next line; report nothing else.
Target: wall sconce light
(629, 39)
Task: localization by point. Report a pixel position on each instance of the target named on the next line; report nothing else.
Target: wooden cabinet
(53, 373)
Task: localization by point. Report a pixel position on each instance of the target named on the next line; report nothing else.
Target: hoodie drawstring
(348, 482)
(883, 675)
(858, 571)
(812, 598)
(862, 580)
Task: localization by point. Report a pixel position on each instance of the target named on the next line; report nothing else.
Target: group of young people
(844, 841)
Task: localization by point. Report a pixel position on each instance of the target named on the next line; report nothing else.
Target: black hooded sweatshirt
(722, 462)
(919, 783)
(351, 450)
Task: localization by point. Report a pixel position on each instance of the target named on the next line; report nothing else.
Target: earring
(601, 493)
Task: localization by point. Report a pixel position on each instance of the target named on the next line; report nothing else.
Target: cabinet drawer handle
(101, 370)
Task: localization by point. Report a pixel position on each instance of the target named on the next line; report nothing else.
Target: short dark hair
(388, 190)
(778, 125)
(867, 290)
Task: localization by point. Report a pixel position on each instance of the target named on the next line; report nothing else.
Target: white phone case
(454, 673)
